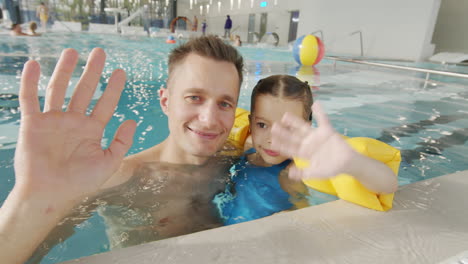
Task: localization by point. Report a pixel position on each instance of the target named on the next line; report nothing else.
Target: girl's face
(268, 110)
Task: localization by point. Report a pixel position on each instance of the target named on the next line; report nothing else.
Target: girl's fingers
(320, 116)
(295, 173)
(297, 125)
(284, 141)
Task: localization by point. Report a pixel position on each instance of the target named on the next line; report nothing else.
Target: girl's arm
(327, 154)
(296, 189)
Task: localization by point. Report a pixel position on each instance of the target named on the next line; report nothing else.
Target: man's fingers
(105, 106)
(123, 139)
(58, 83)
(29, 102)
(89, 80)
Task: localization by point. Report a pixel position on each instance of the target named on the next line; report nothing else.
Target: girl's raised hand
(321, 150)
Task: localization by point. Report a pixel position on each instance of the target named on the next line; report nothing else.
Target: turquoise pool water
(427, 122)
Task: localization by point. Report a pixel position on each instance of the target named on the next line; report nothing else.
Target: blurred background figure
(12, 11)
(1, 15)
(33, 28)
(16, 30)
(195, 24)
(237, 41)
(42, 12)
(227, 27)
(204, 27)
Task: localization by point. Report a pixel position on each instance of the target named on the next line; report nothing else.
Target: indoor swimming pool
(426, 121)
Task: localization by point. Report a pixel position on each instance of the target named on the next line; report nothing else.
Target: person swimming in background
(33, 28)
(260, 185)
(16, 30)
(237, 41)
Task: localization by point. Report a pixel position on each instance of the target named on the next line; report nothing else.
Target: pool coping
(428, 224)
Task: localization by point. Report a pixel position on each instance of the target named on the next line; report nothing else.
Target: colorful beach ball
(170, 39)
(308, 50)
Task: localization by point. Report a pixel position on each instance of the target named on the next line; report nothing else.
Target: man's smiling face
(200, 103)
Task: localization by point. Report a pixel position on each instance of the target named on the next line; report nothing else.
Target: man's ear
(164, 99)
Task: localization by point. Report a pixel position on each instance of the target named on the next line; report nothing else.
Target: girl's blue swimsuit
(254, 192)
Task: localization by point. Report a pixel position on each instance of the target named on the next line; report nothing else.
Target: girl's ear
(164, 99)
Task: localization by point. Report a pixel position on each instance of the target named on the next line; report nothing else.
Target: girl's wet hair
(284, 86)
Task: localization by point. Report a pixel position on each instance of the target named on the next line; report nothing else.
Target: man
(60, 161)
(200, 107)
(227, 27)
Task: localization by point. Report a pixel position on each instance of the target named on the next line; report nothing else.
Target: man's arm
(24, 223)
(59, 159)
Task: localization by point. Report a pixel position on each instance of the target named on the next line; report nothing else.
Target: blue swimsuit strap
(250, 151)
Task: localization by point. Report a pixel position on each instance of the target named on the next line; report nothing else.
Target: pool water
(428, 122)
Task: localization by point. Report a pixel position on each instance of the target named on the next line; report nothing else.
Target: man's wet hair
(210, 47)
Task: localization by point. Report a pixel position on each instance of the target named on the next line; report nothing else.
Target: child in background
(237, 41)
(261, 184)
(33, 28)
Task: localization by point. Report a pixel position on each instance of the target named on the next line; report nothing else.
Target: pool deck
(428, 224)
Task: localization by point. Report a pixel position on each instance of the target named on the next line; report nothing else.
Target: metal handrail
(360, 38)
(427, 71)
(321, 34)
(61, 22)
(256, 34)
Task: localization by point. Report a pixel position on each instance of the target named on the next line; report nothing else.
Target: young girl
(260, 185)
(280, 124)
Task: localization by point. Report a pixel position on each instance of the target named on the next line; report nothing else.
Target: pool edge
(426, 225)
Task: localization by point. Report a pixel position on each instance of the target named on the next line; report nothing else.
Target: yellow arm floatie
(348, 188)
(240, 129)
